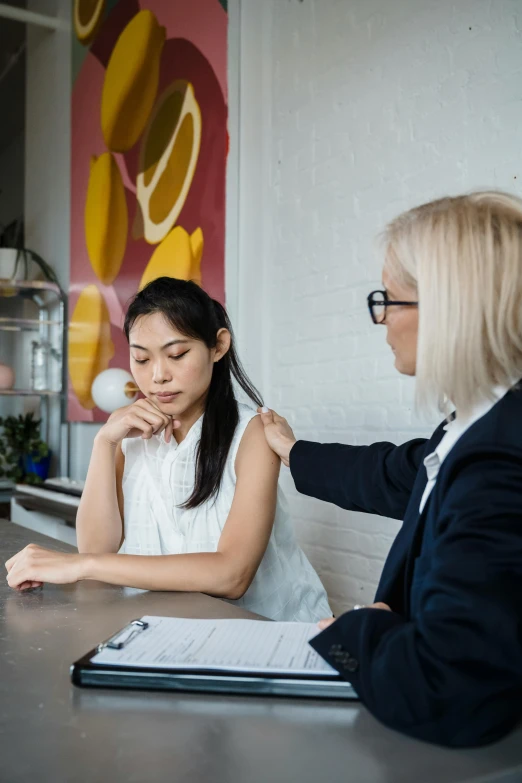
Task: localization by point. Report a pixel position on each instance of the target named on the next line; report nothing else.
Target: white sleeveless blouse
(159, 477)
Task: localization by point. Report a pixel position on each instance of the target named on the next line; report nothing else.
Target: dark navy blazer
(446, 664)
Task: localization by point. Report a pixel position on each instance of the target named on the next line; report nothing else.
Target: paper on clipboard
(221, 645)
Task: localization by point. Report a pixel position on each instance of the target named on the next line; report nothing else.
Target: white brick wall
(373, 106)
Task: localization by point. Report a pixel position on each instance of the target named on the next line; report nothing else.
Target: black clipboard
(86, 674)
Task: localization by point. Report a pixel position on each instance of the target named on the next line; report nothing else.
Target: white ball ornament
(114, 388)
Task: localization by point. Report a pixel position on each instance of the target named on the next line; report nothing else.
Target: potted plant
(24, 457)
(16, 260)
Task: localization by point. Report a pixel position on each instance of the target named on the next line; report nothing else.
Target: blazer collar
(398, 554)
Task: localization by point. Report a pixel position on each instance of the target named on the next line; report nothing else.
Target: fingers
(17, 572)
(174, 424)
(23, 586)
(28, 585)
(268, 416)
(18, 579)
(12, 560)
(151, 415)
(159, 420)
(21, 566)
(136, 421)
(325, 623)
(150, 406)
(158, 423)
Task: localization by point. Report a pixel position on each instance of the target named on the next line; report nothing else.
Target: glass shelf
(28, 288)
(25, 324)
(29, 393)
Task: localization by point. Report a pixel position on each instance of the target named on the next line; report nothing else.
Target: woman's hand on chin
(142, 419)
(33, 566)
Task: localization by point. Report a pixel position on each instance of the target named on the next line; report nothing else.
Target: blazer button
(351, 665)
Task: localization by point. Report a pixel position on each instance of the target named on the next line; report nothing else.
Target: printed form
(221, 646)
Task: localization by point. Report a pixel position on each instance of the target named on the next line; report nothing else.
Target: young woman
(182, 489)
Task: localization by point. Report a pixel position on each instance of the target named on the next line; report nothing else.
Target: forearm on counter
(204, 572)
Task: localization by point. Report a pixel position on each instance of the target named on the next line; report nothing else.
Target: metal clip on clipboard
(116, 642)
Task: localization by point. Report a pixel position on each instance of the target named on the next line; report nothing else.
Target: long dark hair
(193, 313)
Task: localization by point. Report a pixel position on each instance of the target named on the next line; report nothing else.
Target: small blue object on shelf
(41, 468)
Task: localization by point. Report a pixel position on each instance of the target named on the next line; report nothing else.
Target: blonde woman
(439, 655)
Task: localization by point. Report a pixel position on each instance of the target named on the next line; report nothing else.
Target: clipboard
(89, 673)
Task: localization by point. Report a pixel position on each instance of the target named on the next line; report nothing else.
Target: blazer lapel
(391, 585)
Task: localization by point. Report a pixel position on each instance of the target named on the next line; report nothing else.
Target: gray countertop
(52, 731)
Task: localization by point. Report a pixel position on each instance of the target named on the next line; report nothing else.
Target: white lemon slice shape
(168, 159)
(88, 15)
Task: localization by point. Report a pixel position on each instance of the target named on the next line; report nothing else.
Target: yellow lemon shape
(168, 157)
(106, 218)
(197, 244)
(88, 16)
(179, 255)
(90, 344)
(131, 81)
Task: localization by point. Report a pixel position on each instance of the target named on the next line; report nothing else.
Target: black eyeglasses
(378, 302)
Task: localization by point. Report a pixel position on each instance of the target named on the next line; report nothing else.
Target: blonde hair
(463, 256)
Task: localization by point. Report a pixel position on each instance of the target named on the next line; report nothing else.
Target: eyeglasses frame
(386, 302)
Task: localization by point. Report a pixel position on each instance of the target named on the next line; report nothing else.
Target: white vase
(8, 256)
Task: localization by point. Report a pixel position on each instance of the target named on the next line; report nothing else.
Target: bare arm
(99, 521)
(227, 572)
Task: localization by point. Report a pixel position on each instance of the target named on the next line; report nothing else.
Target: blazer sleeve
(452, 674)
(378, 478)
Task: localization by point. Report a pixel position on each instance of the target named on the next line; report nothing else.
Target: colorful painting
(149, 146)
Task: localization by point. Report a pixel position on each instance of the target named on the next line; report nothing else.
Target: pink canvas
(195, 50)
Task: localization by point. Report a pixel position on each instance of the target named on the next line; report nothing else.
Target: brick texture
(375, 106)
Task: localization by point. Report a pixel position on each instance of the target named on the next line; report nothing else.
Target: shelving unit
(24, 324)
(28, 393)
(51, 303)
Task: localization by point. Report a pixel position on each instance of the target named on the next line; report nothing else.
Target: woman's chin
(404, 367)
(172, 409)
(182, 407)
(178, 408)
(167, 402)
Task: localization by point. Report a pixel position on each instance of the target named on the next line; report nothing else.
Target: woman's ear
(223, 340)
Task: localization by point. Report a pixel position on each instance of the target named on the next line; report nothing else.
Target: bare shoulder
(254, 436)
(253, 449)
